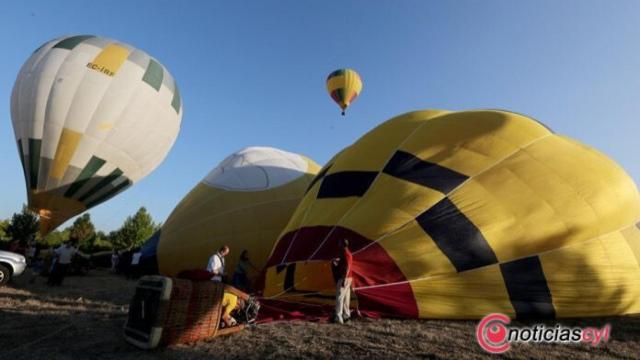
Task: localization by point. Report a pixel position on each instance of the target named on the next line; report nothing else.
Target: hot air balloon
(244, 203)
(461, 214)
(344, 85)
(91, 117)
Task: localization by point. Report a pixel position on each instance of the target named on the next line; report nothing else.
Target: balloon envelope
(462, 214)
(91, 117)
(344, 85)
(244, 203)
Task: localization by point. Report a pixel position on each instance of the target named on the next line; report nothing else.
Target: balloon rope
(287, 289)
(294, 302)
(297, 231)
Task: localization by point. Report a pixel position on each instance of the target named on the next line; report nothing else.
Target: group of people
(240, 278)
(54, 262)
(231, 300)
(342, 264)
(127, 263)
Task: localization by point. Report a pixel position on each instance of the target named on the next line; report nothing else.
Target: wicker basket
(166, 311)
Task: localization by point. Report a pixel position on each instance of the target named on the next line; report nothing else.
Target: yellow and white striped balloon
(91, 117)
(244, 203)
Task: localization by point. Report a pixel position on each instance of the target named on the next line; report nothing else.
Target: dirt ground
(84, 319)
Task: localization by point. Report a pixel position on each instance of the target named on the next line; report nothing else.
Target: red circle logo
(491, 333)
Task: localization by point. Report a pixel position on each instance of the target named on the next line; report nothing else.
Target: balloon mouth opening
(44, 213)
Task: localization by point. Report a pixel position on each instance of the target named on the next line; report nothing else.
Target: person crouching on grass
(233, 301)
(230, 303)
(342, 266)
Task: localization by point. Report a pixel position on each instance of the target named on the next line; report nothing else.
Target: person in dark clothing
(342, 271)
(240, 278)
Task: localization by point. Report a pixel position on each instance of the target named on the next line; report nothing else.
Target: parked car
(11, 264)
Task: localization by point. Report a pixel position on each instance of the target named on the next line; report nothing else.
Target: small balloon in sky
(344, 85)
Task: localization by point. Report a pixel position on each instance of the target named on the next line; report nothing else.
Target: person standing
(64, 255)
(216, 264)
(241, 275)
(134, 270)
(343, 285)
(115, 258)
(37, 265)
(30, 252)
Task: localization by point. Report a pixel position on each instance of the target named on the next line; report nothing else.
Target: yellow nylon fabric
(110, 59)
(53, 209)
(530, 193)
(595, 277)
(209, 217)
(312, 276)
(67, 146)
(468, 295)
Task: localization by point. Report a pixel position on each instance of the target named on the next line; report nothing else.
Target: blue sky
(253, 72)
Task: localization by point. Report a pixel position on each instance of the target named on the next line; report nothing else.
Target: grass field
(84, 319)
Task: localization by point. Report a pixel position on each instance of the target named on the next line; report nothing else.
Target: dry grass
(84, 318)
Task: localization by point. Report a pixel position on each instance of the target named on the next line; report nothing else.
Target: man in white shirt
(216, 264)
(135, 265)
(64, 255)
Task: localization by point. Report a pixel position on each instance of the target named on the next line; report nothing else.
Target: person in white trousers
(343, 285)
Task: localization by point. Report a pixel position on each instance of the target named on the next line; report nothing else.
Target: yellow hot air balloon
(244, 203)
(91, 117)
(344, 85)
(462, 214)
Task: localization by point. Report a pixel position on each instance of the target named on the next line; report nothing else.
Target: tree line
(136, 229)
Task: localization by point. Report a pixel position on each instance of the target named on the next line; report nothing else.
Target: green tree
(102, 242)
(84, 231)
(134, 232)
(117, 240)
(23, 226)
(4, 238)
(57, 237)
(3, 229)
